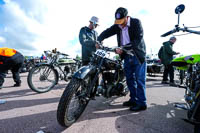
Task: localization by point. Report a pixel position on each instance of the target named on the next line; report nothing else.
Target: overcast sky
(32, 26)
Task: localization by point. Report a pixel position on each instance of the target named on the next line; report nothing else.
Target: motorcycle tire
(69, 95)
(197, 110)
(42, 78)
(196, 128)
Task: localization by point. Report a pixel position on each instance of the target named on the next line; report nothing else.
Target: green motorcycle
(183, 63)
(191, 66)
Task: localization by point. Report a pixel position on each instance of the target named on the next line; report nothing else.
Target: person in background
(43, 57)
(129, 33)
(166, 59)
(88, 39)
(10, 59)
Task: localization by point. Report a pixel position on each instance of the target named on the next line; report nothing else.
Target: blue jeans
(136, 79)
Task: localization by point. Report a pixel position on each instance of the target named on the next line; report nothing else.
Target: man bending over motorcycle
(130, 32)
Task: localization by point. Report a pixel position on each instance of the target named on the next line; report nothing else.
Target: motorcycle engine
(113, 88)
(66, 69)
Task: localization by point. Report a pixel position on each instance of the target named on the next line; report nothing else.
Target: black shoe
(17, 85)
(98, 95)
(173, 84)
(129, 103)
(164, 82)
(138, 108)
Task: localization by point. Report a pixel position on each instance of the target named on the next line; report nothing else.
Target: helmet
(94, 20)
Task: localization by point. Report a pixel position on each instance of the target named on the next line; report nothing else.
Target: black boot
(17, 84)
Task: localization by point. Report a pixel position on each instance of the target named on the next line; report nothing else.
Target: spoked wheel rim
(73, 108)
(43, 78)
(78, 102)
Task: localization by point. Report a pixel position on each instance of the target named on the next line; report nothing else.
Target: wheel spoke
(72, 103)
(42, 78)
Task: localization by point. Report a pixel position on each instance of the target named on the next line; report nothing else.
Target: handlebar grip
(168, 33)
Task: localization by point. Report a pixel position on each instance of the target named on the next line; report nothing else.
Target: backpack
(160, 52)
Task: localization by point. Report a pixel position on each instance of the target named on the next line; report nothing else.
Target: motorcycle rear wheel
(67, 113)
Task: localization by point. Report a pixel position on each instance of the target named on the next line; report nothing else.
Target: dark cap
(120, 15)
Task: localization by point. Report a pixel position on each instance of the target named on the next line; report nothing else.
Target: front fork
(93, 86)
(91, 89)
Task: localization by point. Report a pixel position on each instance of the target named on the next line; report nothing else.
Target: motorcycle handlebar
(168, 33)
(55, 53)
(129, 52)
(107, 48)
(190, 31)
(64, 54)
(177, 29)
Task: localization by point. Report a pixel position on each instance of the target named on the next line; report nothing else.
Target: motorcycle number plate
(100, 53)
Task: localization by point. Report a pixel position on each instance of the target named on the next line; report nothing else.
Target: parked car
(154, 66)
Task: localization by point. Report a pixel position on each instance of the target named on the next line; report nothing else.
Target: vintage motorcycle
(190, 64)
(103, 76)
(44, 76)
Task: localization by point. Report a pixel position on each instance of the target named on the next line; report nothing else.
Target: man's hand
(97, 46)
(177, 52)
(118, 50)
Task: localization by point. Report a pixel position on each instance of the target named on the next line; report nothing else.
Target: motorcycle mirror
(179, 9)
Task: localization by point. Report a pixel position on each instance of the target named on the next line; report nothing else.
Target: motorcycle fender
(83, 72)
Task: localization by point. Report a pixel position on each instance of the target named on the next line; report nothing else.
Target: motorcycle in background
(190, 64)
(154, 66)
(44, 76)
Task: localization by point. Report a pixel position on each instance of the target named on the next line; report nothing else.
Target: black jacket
(7, 63)
(136, 37)
(87, 38)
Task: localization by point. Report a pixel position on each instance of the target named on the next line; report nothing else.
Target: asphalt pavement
(26, 111)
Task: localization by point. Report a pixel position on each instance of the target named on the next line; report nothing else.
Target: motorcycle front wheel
(73, 102)
(42, 78)
(197, 128)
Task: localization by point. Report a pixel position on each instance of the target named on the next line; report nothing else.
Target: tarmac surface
(26, 111)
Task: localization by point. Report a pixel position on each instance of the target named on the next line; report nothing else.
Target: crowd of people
(129, 33)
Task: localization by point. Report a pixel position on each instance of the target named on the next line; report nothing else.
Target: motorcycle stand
(182, 86)
(181, 106)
